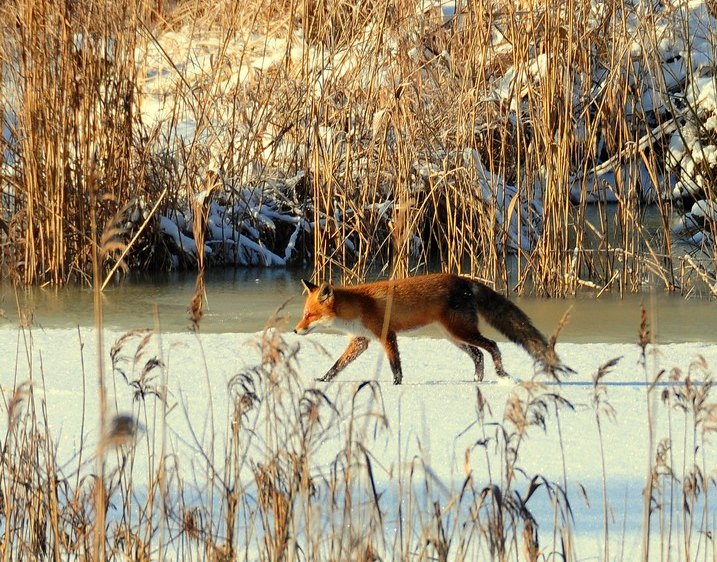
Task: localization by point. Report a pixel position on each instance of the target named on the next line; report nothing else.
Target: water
(242, 300)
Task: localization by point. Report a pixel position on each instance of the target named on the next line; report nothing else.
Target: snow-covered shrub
(242, 226)
(693, 158)
(690, 39)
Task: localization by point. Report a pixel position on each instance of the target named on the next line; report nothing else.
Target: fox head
(318, 308)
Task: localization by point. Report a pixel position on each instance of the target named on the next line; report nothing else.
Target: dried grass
(404, 147)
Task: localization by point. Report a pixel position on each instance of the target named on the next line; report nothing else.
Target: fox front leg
(356, 347)
(390, 345)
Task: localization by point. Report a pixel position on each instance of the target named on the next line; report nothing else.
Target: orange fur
(382, 309)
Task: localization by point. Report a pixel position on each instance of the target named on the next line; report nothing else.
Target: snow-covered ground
(433, 416)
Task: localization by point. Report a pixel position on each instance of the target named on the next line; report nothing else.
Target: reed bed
(523, 143)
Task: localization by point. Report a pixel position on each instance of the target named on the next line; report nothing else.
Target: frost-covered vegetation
(397, 135)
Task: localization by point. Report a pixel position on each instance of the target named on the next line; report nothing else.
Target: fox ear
(326, 291)
(309, 287)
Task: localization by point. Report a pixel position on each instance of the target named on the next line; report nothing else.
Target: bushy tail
(514, 324)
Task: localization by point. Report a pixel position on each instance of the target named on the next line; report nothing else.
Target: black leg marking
(356, 347)
(491, 347)
(477, 356)
(466, 334)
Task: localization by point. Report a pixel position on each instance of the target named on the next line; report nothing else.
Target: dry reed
(379, 122)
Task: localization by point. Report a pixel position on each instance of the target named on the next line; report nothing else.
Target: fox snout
(303, 328)
(310, 322)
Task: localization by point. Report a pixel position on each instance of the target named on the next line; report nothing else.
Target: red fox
(382, 309)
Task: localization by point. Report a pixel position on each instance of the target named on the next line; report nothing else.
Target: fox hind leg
(491, 347)
(466, 334)
(356, 347)
(477, 356)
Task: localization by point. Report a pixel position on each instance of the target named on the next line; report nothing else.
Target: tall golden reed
(390, 109)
